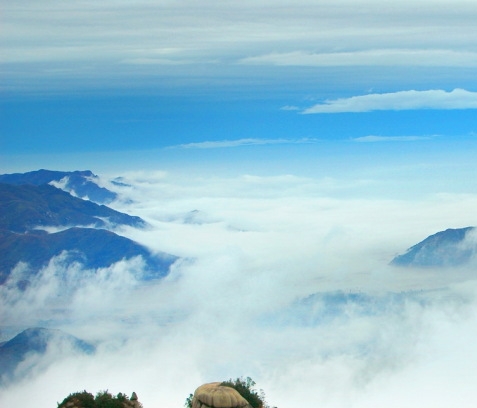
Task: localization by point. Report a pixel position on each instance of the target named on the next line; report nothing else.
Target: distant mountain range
(34, 342)
(27, 207)
(81, 184)
(28, 211)
(325, 307)
(452, 247)
(93, 248)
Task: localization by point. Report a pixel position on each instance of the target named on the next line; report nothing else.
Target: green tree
(85, 399)
(245, 388)
(103, 399)
(188, 401)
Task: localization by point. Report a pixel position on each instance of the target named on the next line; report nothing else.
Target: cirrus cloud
(402, 100)
(371, 57)
(217, 144)
(375, 138)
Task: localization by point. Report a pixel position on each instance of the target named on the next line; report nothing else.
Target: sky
(100, 82)
(315, 139)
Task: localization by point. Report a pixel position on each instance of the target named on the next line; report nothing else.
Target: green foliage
(245, 388)
(85, 398)
(103, 399)
(122, 397)
(188, 401)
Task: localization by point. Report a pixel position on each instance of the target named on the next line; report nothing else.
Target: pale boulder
(214, 395)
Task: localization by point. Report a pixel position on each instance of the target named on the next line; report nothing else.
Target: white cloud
(219, 144)
(382, 57)
(290, 108)
(119, 39)
(229, 308)
(402, 100)
(373, 138)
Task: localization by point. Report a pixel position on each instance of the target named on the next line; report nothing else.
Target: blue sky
(208, 81)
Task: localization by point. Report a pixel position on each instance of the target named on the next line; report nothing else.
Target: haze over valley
(270, 279)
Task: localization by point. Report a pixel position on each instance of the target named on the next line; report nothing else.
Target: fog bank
(278, 280)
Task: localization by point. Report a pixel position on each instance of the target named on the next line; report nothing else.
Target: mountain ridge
(92, 248)
(25, 207)
(80, 183)
(35, 341)
(442, 249)
(26, 213)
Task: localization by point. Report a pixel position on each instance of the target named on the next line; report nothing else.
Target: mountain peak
(452, 247)
(36, 340)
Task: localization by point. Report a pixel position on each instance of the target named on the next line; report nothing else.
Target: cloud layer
(384, 57)
(104, 42)
(279, 282)
(242, 142)
(402, 100)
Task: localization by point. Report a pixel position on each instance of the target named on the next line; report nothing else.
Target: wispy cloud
(373, 138)
(402, 100)
(290, 108)
(173, 38)
(220, 144)
(373, 57)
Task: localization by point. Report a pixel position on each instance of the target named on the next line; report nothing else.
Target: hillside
(452, 247)
(27, 211)
(93, 248)
(35, 342)
(82, 184)
(25, 207)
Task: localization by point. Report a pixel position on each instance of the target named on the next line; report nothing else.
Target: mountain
(26, 210)
(25, 207)
(34, 342)
(452, 247)
(93, 248)
(79, 183)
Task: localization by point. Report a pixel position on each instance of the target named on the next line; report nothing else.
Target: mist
(285, 279)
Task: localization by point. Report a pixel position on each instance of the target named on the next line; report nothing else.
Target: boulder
(214, 395)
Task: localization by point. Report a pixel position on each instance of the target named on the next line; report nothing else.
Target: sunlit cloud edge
(397, 101)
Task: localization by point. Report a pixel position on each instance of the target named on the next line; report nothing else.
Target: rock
(214, 395)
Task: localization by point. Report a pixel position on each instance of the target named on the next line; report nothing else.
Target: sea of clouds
(278, 279)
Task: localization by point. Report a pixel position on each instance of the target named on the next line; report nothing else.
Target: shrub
(85, 398)
(245, 389)
(103, 399)
(188, 401)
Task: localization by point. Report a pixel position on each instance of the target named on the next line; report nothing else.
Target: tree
(188, 401)
(103, 399)
(245, 388)
(84, 399)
